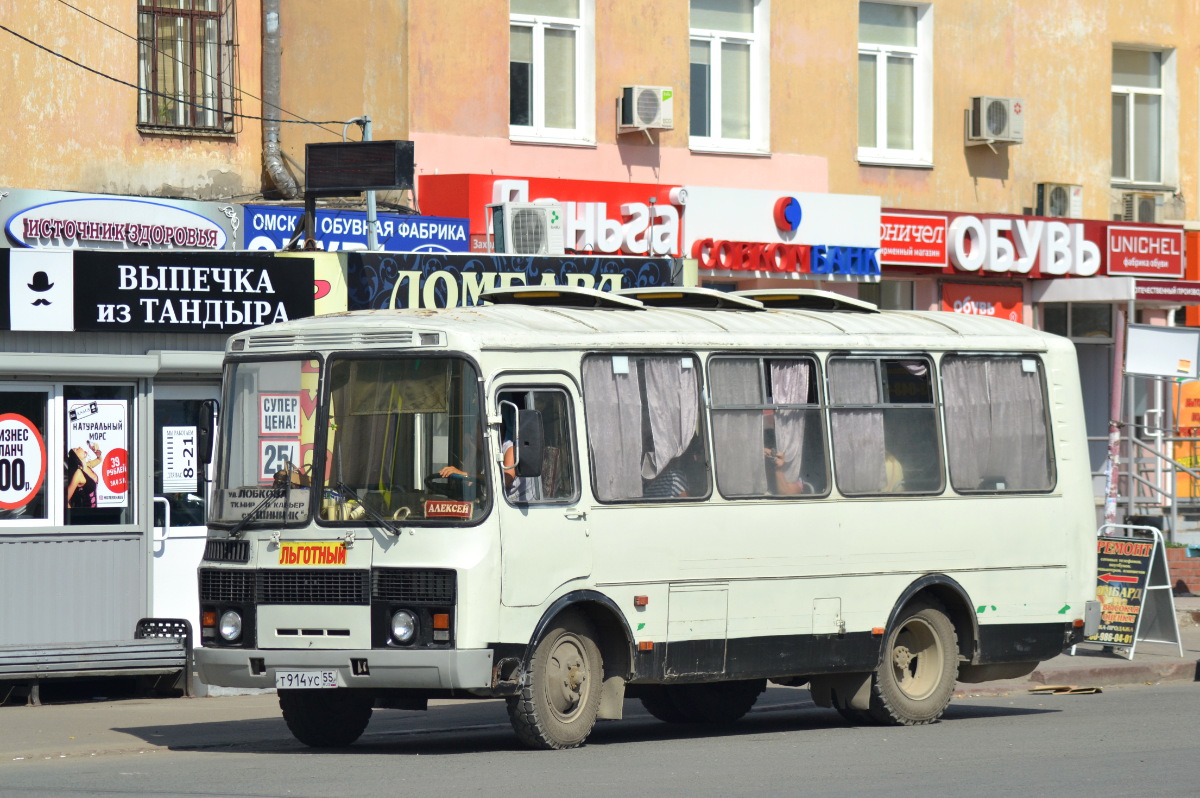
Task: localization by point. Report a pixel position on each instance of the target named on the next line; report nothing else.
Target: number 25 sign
(275, 455)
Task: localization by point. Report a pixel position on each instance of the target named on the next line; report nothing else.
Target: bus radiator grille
(414, 586)
(273, 586)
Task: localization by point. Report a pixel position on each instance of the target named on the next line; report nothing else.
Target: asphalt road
(1138, 740)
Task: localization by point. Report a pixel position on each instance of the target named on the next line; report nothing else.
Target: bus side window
(557, 481)
(884, 423)
(997, 429)
(645, 431)
(767, 432)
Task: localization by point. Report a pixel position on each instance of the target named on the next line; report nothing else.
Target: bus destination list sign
(1123, 565)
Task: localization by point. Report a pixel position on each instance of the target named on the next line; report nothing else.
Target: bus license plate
(305, 680)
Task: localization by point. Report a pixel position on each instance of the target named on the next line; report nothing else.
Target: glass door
(180, 501)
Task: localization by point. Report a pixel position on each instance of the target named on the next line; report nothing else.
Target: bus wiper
(282, 487)
(253, 515)
(346, 490)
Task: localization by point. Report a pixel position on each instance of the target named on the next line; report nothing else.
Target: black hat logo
(41, 283)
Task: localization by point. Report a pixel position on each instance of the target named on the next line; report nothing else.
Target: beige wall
(1056, 57)
(69, 129)
(436, 71)
(344, 59)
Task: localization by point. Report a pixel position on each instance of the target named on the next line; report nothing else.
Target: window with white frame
(729, 75)
(895, 83)
(185, 64)
(1138, 105)
(551, 70)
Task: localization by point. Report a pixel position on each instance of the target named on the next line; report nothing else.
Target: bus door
(180, 499)
(543, 527)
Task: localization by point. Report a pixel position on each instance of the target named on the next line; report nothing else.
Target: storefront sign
(63, 219)
(1007, 244)
(415, 280)
(600, 217)
(188, 292)
(786, 259)
(912, 240)
(270, 228)
(179, 463)
(22, 461)
(1000, 301)
(1166, 291)
(97, 453)
(1145, 251)
(755, 233)
(1124, 565)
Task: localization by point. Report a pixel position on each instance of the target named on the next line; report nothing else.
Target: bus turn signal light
(441, 620)
(208, 618)
(641, 601)
(645, 645)
(878, 631)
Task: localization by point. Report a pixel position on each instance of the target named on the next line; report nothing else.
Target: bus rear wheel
(560, 696)
(915, 681)
(330, 718)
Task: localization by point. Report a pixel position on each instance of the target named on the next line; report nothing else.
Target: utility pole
(372, 223)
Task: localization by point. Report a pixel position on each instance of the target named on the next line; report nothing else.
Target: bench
(160, 647)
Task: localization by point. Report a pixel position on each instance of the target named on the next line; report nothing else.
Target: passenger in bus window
(893, 474)
(676, 480)
(777, 467)
(669, 484)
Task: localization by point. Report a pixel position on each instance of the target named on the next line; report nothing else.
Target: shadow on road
(483, 727)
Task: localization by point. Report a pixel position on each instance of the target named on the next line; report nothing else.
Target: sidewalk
(252, 723)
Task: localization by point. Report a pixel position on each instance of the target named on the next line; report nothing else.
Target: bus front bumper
(460, 669)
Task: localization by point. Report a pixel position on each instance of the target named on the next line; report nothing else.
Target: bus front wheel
(915, 681)
(560, 695)
(329, 718)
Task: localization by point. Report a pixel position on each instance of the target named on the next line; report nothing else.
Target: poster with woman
(97, 460)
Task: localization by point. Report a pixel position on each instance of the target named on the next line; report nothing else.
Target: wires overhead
(298, 120)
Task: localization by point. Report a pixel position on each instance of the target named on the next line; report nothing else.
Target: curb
(1089, 676)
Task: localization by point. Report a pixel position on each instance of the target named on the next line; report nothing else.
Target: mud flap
(612, 699)
(845, 690)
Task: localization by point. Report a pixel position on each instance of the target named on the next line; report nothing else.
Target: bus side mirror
(205, 424)
(530, 443)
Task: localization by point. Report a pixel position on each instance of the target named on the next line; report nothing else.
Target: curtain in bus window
(738, 434)
(996, 425)
(672, 402)
(858, 448)
(789, 386)
(613, 404)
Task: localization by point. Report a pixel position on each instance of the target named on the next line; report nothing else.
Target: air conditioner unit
(996, 120)
(1059, 199)
(1138, 206)
(645, 108)
(528, 228)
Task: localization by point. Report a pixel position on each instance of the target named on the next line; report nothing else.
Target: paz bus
(565, 498)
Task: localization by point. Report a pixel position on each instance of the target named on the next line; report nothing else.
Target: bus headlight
(404, 626)
(231, 625)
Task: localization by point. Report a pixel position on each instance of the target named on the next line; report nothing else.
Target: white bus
(564, 498)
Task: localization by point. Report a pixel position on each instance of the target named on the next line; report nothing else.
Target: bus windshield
(406, 439)
(404, 443)
(267, 442)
